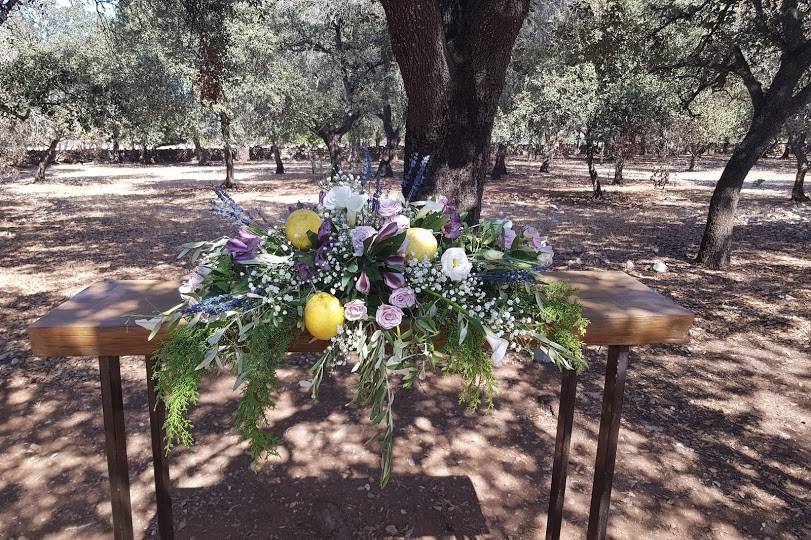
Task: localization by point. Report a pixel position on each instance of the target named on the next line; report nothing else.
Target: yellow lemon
(420, 244)
(298, 224)
(323, 314)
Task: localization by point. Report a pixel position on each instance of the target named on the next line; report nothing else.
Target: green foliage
(470, 360)
(177, 379)
(562, 319)
(265, 353)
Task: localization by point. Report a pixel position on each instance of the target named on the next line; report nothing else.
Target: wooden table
(99, 322)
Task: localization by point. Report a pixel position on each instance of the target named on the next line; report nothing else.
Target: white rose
(499, 347)
(455, 264)
(356, 202)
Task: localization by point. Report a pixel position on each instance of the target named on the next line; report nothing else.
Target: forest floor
(715, 439)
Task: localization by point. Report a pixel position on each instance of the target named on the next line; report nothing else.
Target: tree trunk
(200, 153)
(545, 165)
(500, 167)
(228, 154)
(115, 157)
(692, 162)
(596, 188)
(799, 146)
(47, 159)
(277, 156)
(619, 166)
(333, 142)
(787, 149)
(453, 57)
(146, 159)
(725, 146)
(716, 244)
(392, 141)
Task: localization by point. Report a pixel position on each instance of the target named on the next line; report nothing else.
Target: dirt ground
(714, 442)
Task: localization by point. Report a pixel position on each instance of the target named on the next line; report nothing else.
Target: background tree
(453, 58)
(766, 47)
(798, 128)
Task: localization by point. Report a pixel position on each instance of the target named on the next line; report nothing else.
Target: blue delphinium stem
(419, 178)
(406, 184)
(366, 172)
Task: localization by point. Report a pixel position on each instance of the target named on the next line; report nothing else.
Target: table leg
(116, 446)
(607, 441)
(568, 390)
(157, 417)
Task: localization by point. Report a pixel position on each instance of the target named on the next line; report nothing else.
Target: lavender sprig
(419, 178)
(228, 208)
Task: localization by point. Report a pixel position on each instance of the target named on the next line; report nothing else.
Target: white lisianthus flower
(499, 346)
(546, 256)
(356, 202)
(455, 264)
(337, 197)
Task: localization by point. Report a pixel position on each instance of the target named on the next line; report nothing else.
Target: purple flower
(509, 235)
(546, 256)
(389, 208)
(534, 238)
(305, 273)
(321, 257)
(355, 310)
(362, 284)
(402, 222)
(453, 227)
(395, 280)
(245, 247)
(387, 231)
(396, 260)
(388, 316)
(324, 232)
(403, 297)
(358, 235)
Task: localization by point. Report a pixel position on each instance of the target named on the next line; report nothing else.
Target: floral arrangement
(394, 288)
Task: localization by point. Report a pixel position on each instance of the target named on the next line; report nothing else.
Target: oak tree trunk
(787, 149)
(392, 141)
(228, 154)
(500, 167)
(277, 156)
(200, 153)
(692, 165)
(114, 153)
(799, 146)
(619, 166)
(46, 160)
(596, 188)
(453, 56)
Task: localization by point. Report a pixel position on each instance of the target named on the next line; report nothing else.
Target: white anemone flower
(455, 264)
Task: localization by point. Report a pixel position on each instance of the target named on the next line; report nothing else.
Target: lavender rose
(403, 297)
(389, 208)
(359, 234)
(509, 235)
(388, 316)
(355, 310)
(534, 238)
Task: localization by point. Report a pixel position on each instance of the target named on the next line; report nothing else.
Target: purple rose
(396, 260)
(305, 273)
(394, 280)
(362, 284)
(388, 316)
(387, 231)
(359, 235)
(324, 232)
(453, 227)
(403, 297)
(245, 247)
(389, 208)
(355, 310)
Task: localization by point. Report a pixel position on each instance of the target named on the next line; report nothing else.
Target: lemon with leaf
(298, 224)
(323, 314)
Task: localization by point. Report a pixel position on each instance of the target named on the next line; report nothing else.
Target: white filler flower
(455, 264)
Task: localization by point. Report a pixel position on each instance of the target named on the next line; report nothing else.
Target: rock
(391, 529)
(660, 267)
(629, 266)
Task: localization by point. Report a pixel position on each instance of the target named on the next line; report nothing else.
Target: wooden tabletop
(100, 320)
